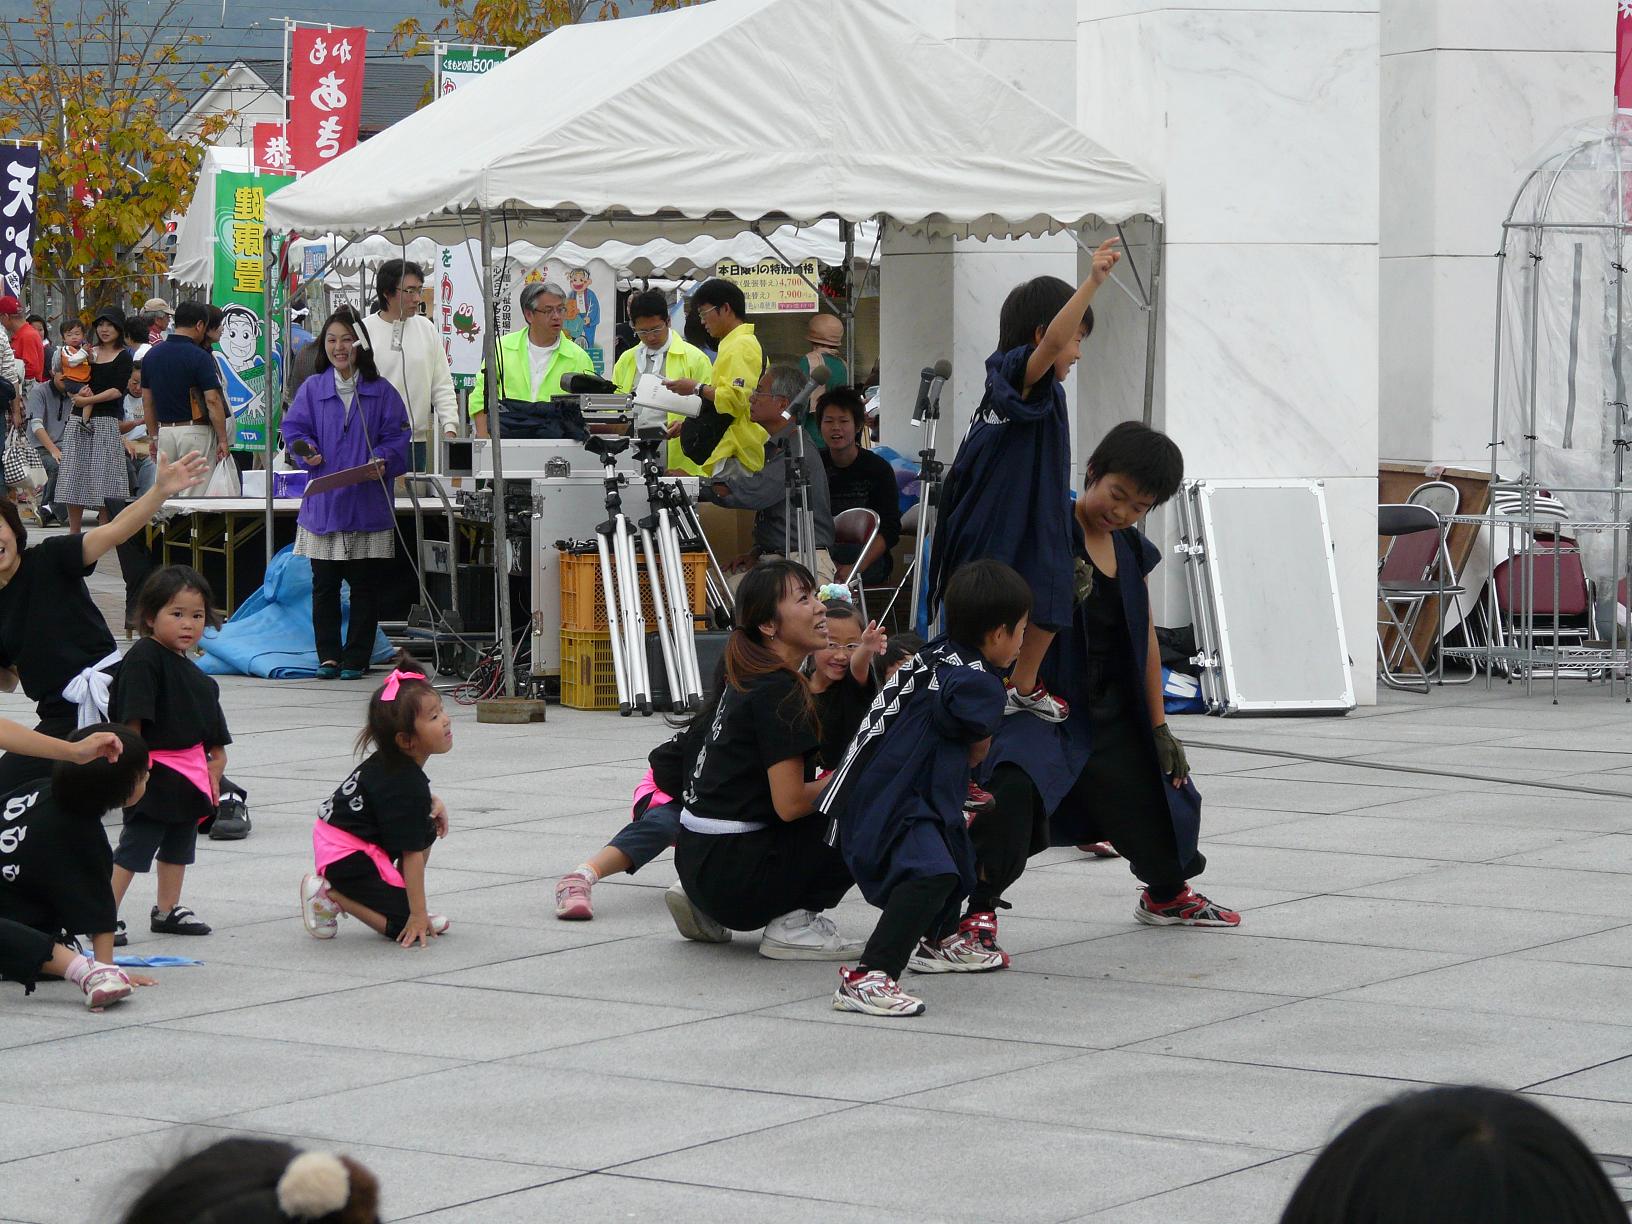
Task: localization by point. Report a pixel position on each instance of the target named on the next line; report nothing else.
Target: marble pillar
(1262, 120)
(1470, 89)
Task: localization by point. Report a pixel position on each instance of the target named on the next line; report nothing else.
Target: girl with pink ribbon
(373, 836)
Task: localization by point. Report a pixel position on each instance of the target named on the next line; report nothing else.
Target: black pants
(366, 580)
(22, 951)
(356, 878)
(925, 908)
(743, 880)
(18, 770)
(135, 559)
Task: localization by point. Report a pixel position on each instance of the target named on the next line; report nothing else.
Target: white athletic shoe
(806, 935)
(439, 924)
(873, 993)
(104, 986)
(320, 915)
(691, 921)
(957, 953)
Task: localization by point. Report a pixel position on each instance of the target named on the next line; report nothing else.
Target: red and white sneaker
(572, 903)
(104, 986)
(1102, 850)
(318, 912)
(982, 928)
(978, 802)
(957, 953)
(1044, 704)
(873, 993)
(1189, 908)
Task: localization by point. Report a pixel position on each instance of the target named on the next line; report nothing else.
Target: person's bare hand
(177, 477)
(104, 745)
(439, 817)
(418, 927)
(673, 431)
(1105, 258)
(682, 386)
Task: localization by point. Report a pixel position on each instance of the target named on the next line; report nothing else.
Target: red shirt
(29, 349)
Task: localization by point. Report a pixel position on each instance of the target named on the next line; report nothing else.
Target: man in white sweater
(410, 356)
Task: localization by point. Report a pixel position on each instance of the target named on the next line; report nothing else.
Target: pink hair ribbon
(394, 681)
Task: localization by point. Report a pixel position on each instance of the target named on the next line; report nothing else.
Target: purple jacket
(377, 416)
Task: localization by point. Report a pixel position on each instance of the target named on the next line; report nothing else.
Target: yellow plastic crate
(588, 679)
(583, 605)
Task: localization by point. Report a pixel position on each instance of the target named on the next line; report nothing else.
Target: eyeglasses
(551, 312)
(411, 290)
(702, 311)
(646, 332)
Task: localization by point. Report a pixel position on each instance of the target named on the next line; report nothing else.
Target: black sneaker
(120, 938)
(179, 921)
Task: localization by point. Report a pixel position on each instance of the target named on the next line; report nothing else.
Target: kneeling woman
(752, 851)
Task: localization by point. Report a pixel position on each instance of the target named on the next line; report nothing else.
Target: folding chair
(1415, 568)
(858, 527)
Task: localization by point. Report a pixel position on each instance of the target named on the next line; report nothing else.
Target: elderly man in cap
(534, 360)
(27, 345)
(159, 314)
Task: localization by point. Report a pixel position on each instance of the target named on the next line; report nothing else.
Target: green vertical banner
(243, 261)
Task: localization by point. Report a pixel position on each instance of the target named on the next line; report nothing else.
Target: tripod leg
(677, 693)
(613, 627)
(682, 623)
(635, 635)
(719, 590)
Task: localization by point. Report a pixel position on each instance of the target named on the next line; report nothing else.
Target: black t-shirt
(56, 870)
(107, 375)
(50, 630)
(869, 482)
(386, 802)
(178, 706)
(750, 731)
(841, 707)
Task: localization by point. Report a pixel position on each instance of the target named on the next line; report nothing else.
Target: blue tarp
(271, 632)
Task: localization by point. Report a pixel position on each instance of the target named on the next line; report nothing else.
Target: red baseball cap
(9, 305)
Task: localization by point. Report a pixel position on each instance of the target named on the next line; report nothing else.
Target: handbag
(224, 481)
(23, 468)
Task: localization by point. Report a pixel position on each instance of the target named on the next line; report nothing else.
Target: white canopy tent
(193, 263)
(901, 127)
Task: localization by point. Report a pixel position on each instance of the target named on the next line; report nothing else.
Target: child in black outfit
(55, 860)
(898, 797)
(162, 695)
(374, 834)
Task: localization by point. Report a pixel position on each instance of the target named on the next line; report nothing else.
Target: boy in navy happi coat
(897, 797)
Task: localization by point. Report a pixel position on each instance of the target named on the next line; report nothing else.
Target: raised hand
(1106, 257)
(173, 478)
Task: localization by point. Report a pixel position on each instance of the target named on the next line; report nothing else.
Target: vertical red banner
(1623, 54)
(269, 149)
(325, 93)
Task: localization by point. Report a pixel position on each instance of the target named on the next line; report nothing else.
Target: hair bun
(315, 1184)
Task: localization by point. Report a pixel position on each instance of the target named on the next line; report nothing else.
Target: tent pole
(490, 390)
(1158, 239)
(269, 271)
(848, 232)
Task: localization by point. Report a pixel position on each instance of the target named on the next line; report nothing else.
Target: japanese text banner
(244, 263)
(19, 167)
(269, 148)
(325, 93)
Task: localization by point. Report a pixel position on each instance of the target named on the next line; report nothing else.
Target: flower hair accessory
(833, 590)
(393, 683)
(316, 1184)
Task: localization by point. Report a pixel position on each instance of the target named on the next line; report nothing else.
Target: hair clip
(316, 1184)
(834, 590)
(393, 683)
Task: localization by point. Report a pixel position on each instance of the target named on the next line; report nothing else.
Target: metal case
(1264, 597)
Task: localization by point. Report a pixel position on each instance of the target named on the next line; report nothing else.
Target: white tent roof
(193, 263)
(896, 123)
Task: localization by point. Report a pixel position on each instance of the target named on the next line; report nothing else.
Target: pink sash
(190, 763)
(330, 845)
(648, 786)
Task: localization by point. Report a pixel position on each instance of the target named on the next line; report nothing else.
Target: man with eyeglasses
(534, 360)
(665, 354)
(727, 421)
(409, 356)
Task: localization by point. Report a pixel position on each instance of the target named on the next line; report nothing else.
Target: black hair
(748, 655)
(237, 1179)
(648, 304)
(137, 329)
(900, 647)
(190, 314)
(841, 609)
(849, 399)
(69, 323)
(36, 318)
(1146, 456)
(165, 584)
(228, 312)
(214, 317)
(983, 596)
(361, 353)
(1456, 1155)
(386, 720)
(11, 518)
(100, 786)
(108, 314)
(716, 291)
(1030, 307)
(389, 278)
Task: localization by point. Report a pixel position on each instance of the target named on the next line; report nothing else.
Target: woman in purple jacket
(347, 416)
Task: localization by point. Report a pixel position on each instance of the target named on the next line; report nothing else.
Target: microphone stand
(798, 479)
(930, 470)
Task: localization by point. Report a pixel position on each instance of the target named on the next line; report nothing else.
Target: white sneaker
(807, 935)
(957, 953)
(691, 921)
(439, 924)
(104, 986)
(873, 993)
(320, 915)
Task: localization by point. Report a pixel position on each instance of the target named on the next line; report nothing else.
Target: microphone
(814, 381)
(588, 384)
(931, 381)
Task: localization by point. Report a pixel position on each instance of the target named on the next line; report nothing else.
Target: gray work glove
(1170, 754)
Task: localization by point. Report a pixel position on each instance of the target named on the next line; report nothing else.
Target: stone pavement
(1403, 927)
